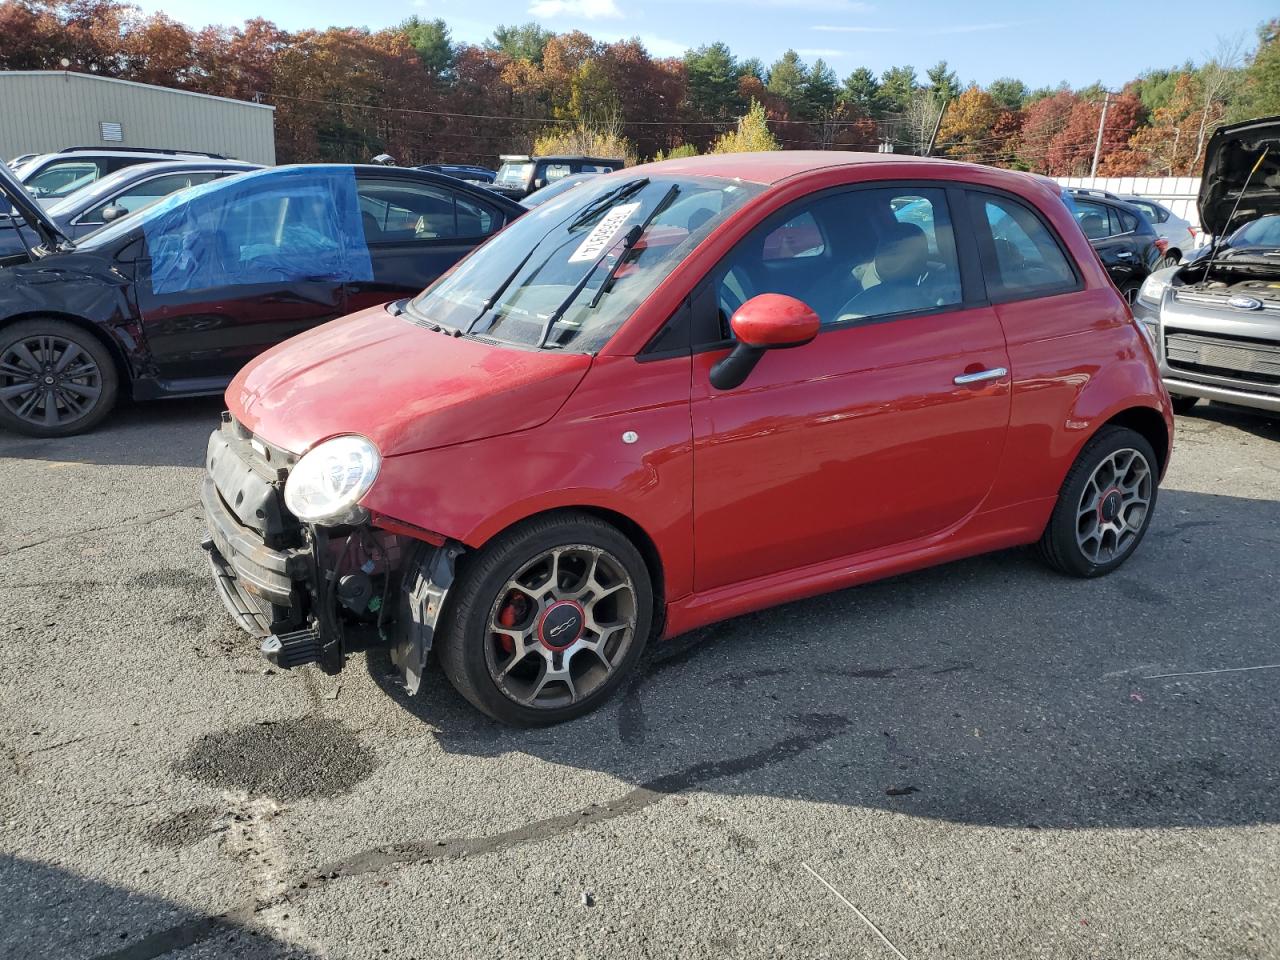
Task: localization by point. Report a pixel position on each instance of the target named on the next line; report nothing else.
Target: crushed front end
(312, 593)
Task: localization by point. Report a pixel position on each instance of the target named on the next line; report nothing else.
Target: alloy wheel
(1114, 505)
(560, 626)
(48, 380)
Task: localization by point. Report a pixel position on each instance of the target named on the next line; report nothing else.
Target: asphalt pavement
(981, 760)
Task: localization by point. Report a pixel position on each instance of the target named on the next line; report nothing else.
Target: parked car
(1180, 237)
(51, 176)
(520, 174)
(21, 159)
(462, 171)
(553, 190)
(683, 392)
(172, 300)
(116, 195)
(1123, 237)
(1216, 319)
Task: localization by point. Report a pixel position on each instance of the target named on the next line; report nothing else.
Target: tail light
(1162, 245)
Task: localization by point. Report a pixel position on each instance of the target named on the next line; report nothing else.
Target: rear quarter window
(1021, 256)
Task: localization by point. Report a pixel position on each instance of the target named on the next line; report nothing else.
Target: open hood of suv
(405, 387)
(30, 210)
(1229, 158)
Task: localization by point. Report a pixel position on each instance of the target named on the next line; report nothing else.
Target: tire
(1183, 405)
(1168, 260)
(83, 391)
(509, 636)
(1061, 543)
(1130, 292)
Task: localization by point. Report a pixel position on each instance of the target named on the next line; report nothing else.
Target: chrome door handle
(1124, 255)
(995, 373)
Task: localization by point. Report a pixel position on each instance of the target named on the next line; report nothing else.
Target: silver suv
(52, 176)
(1215, 320)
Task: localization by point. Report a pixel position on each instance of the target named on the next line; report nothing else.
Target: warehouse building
(43, 111)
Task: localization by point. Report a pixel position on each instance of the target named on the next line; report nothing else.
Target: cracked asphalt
(984, 759)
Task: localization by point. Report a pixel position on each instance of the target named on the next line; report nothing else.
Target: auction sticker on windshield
(602, 235)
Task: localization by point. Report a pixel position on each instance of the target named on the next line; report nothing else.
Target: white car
(1182, 236)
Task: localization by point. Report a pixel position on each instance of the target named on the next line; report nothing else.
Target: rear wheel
(1130, 292)
(56, 379)
(1183, 405)
(1105, 505)
(1169, 260)
(547, 620)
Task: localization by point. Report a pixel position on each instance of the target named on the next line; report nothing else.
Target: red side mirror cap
(773, 320)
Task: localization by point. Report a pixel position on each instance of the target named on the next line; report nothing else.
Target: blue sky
(1042, 44)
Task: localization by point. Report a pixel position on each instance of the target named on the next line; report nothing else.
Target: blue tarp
(270, 226)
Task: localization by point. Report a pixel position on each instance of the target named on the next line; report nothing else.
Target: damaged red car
(676, 394)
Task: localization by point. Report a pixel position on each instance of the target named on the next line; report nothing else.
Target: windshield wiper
(620, 192)
(665, 202)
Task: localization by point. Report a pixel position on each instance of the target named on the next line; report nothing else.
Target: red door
(862, 439)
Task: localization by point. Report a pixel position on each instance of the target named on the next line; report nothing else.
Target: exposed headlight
(1152, 290)
(329, 480)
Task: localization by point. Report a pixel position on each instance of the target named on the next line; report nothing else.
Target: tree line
(346, 94)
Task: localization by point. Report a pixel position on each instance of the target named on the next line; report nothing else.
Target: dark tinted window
(1128, 222)
(1027, 259)
(398, 210)
(851, 256)
(1093, 219)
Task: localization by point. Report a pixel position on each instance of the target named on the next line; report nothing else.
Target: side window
(1093, 219)
(147, 193)
(1128, 222)
(850, 256)
(798, 237)
(554, 171)
(395, 211)
(1028, 261)
(61, 179)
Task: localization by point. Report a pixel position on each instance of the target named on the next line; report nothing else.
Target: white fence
(1177, 193)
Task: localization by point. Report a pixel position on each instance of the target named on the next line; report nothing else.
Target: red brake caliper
(512, 612)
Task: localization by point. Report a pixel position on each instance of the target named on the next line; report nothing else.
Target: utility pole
(928, 151)
(1102, 123)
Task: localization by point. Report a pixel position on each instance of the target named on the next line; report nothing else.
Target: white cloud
(586, 9)
(821, 52)
(662, 47)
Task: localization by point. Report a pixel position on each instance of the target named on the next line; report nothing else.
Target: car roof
(773, 167)
(422, 176)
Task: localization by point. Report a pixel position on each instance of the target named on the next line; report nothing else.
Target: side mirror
(112, 212)
(539, 183)
(770, 321)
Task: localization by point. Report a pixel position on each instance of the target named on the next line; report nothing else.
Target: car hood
(405, 387)
(30, 210)
(1230, 156)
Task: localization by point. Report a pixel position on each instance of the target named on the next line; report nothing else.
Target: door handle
(1125, 255)
(995, 373)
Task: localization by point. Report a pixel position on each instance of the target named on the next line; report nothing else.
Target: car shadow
(1258, 422)
(990, 691)
(49, 912)
(162, 433)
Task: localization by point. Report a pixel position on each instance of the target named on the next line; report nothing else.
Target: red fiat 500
(679, 393)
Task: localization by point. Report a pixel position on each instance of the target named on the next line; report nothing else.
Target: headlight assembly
(1152, 290)
(326, 485)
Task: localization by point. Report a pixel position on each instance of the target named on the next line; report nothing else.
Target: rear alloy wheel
(547, 620)
(55, 379)
(1105, 505)
(1168, 260)
(1130, 293)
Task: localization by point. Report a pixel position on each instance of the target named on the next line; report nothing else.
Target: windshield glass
(1263, 232)
(566, 274)
(514, 174)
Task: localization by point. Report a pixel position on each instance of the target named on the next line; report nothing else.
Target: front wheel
(545, 621)
(55, 378)
(1105, 505)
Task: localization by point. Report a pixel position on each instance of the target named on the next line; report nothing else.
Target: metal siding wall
(47, 112)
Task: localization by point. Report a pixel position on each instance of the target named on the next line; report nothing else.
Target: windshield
(1263, 232)
(567, 274)
(554, 190)
(514, 174)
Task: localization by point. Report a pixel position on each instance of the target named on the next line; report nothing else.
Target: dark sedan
(173, 300)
